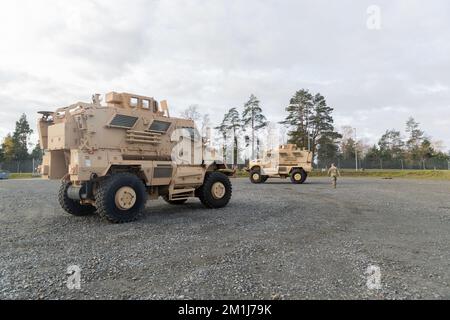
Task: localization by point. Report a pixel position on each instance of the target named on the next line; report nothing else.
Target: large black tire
(72, 207)
(298, 176)
(174, 202)
(108, 198)
(255, 176)
(207, 195)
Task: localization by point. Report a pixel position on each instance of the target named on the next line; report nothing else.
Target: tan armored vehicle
(287, 161)
(111, 158)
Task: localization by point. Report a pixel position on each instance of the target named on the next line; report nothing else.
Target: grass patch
(22, 176)
(390, 174)
(382, 174)
(242, 174)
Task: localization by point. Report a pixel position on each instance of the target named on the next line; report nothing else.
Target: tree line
(310, 125)
(413, 147)
(15, 145)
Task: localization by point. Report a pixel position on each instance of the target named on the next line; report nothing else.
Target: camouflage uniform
(333, 172)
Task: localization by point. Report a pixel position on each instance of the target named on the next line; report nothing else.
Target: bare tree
(191, 113)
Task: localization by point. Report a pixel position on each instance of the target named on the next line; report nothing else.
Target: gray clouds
(215, 53)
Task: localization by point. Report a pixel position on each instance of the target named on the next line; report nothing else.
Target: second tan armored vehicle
(111, 158)
(287, 161)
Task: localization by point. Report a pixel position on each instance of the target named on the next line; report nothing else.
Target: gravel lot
(273, 241)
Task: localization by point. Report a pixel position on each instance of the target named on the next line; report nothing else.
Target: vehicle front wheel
(121, 198)
(73, 207)
(255, 176)
(298, 176)
(215, 191)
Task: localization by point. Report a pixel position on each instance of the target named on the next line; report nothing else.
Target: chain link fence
(379, 164)
(30, 165)
(22, 166)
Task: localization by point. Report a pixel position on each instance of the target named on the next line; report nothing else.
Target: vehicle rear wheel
(174, 202)
(255, 176)
(72, 207)
(121, 198)
(215, 191)
(298, 176)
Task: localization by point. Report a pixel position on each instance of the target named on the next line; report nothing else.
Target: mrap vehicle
(286, 161)
(112, 158)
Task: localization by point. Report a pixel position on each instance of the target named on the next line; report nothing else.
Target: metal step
(178, 194)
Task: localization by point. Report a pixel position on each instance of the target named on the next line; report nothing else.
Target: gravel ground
(273, 241)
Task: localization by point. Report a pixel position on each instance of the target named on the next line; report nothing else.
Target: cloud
(216, 53)
(430, 89)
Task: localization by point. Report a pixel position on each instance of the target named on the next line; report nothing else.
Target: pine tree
(415, 139)
(234, 124)
(391, 145)
(426, 151)
(253, 118)
(223, 130)
(373, 154)
(20, 137)
(327, 149)
(309, 118)
(299, 111)
(321, 122)
(231, 124)
(2, 154)
(37, 152)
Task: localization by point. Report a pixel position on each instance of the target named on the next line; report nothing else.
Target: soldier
(333, 172)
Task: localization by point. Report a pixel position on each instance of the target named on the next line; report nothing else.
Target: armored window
(134, 102)
(146, 104)
(160, 126)
(123, 121)
(162, 171)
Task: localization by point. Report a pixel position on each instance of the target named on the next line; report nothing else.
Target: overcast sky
(216, 53)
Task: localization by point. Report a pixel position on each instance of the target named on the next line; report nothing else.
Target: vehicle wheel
(73, 207)
(121, 198)
(215, 191)
(255, 176)
(298, 176)
(174, 202)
